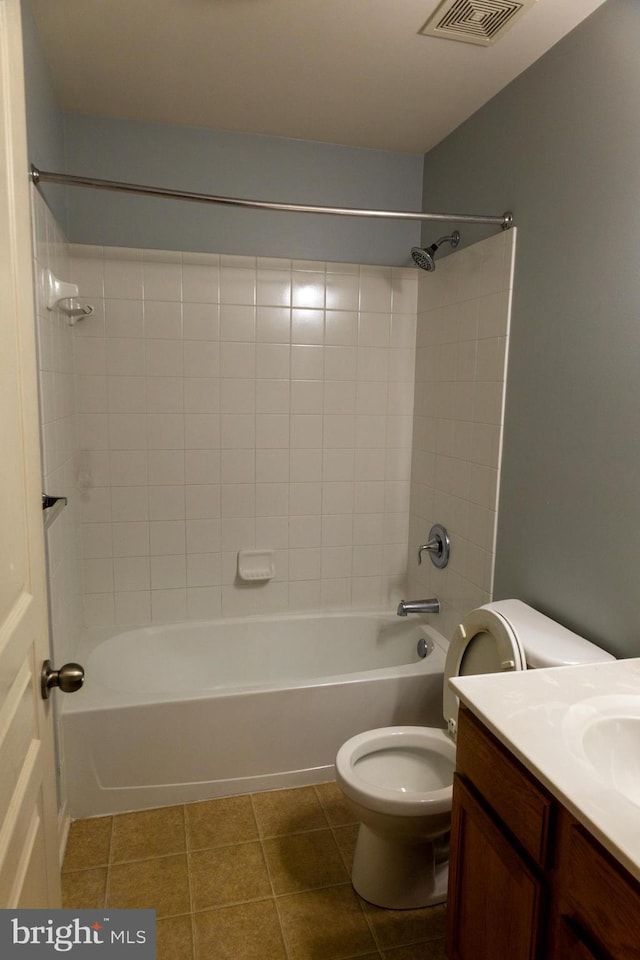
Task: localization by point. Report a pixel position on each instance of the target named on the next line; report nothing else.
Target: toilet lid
(483, 643)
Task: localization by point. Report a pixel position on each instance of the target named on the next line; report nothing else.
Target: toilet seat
(483, 643)
(378, 766)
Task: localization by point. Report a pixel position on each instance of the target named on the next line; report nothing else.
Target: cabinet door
(571, 943)
(495, 900)
(596, 899)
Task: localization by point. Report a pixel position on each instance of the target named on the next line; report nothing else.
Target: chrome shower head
(424, 257)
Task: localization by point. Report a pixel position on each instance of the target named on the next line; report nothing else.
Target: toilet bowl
(399, 780)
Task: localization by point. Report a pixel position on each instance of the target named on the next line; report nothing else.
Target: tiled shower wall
(229, 403)
(461, 351)
(209, 424)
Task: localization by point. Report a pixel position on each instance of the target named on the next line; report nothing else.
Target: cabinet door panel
(519, 801)
(494, 898)
(598, 893)
(571, 943)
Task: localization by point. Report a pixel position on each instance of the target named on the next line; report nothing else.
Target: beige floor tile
(149, 833)
(84, 889)
(88, 844)
(224, 875)
(394, 928)
(161, 885)
(249, 931)
(288, 811)
(432, 950)
(303, 861)
(325, 924)
(174, 939)
(336, 808)
(213, 823)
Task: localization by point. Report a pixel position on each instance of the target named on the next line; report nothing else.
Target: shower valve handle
(68, 678)
(438, 546)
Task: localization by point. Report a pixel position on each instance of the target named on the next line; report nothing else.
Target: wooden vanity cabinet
(596, 904)
(526, 880)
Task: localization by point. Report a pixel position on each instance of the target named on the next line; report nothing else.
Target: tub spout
(418, 606)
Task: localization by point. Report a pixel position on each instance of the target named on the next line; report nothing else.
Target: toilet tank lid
(545, 642)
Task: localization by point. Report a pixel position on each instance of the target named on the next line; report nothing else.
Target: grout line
(273, 891)
(107, 889)
(189, 884)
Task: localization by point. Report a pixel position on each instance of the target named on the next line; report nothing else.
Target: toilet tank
(545, 642)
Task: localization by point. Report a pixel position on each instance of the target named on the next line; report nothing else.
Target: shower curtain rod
(505, 220)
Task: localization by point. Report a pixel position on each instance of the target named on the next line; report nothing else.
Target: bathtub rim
(106, 698)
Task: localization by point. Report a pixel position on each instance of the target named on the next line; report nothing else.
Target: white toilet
(398, 780)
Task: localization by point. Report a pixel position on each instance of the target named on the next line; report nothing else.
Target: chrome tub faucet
(418, 606)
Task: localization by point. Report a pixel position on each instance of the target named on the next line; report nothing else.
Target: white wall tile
(123, 279)
(168, 572)
(237, 285)
(131, 573)
(124, 318)
(162, 320)
(167, 537)
(202, 501)
(200, 321)
(127, 395)
(200, 282)
(273, 324)
(133, 608)
(166, 394)
(307, 326)
(130, 539)
(274, 288)
(164, 358)
(162, 279)
(128, 467)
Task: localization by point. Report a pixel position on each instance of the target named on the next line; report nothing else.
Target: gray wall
(45, 120)
(228, 164)
(240, 165)
(561, 146)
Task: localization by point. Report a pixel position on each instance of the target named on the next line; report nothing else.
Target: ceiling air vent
(474, 21)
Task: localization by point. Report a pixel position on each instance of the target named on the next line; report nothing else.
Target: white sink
(604, 733)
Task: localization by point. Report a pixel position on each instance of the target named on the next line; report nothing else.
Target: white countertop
(538, 715)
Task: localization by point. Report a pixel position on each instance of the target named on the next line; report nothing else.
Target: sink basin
(604, 732)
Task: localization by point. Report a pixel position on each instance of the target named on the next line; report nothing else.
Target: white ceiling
(352, 72)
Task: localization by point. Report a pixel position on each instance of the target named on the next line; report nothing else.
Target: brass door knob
(68, 678)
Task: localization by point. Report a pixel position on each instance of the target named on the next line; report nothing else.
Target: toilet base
(397, 874)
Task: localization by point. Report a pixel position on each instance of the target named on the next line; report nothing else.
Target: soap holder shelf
(63, 296)
(256, 565)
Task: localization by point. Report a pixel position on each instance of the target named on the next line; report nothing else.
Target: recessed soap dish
(256, 565)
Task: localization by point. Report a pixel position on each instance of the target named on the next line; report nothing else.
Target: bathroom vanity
(545, 861)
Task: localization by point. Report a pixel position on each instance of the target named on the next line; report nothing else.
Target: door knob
(68, 678)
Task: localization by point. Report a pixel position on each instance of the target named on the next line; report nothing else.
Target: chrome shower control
(68, 678)
(438, 546)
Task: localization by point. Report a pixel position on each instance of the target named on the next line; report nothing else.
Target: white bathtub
(192, 711)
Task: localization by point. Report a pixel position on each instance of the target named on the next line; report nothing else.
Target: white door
(29, 863)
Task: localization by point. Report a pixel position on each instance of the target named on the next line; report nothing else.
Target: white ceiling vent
(474, 21)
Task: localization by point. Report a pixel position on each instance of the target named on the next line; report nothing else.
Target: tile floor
(263, 876)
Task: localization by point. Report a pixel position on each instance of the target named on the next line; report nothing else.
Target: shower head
(424, 257)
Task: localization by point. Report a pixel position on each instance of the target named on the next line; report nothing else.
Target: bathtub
(192, 711)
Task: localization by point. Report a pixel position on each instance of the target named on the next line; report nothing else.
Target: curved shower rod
(505, 220)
